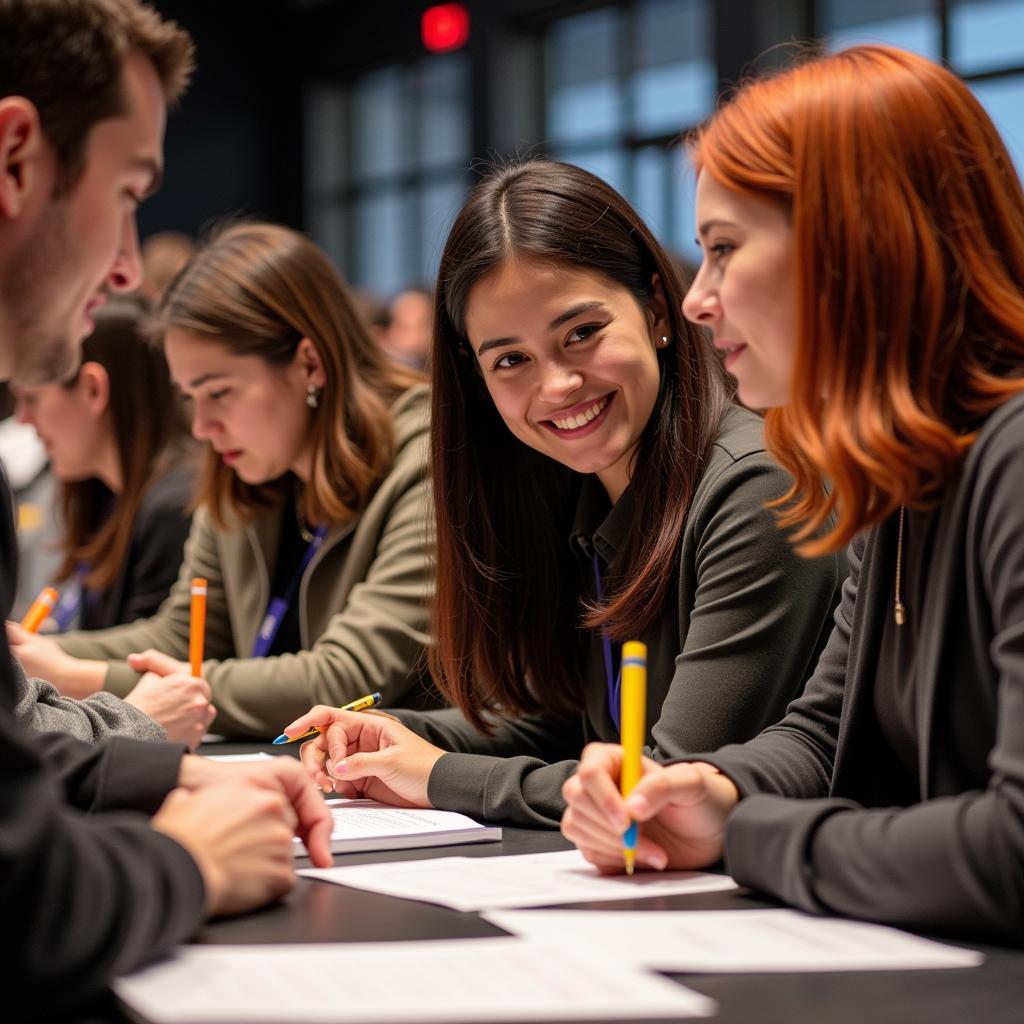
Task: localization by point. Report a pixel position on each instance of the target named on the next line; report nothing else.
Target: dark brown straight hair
(508, 618)
(259, 289)
(147, 422)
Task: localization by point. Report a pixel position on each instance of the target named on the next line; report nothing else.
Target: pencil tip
(283, 738)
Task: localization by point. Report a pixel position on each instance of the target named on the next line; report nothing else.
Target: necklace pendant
(900, 613)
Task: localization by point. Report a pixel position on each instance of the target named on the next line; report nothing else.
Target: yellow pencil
(633, 712)
(197, 626)
(371, 700)
(41, 607)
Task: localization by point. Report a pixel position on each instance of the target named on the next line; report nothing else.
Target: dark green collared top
(738, 635)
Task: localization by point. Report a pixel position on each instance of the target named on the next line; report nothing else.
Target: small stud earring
(313, 396)
(664, 340)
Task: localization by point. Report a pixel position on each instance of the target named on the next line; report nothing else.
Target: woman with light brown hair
(312, 519)
(863, 235)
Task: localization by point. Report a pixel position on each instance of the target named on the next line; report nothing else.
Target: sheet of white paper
(736, 940)
(528, 880)
(240, 757)
(368, 825)
(411, 982)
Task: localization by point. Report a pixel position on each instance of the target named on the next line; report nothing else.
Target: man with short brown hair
(84, 86)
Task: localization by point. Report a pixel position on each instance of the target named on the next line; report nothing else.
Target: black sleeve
(514, 775)
(157, 547)
(120, 774)
(953, 864)
(84, 897)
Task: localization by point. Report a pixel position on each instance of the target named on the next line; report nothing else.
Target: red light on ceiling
(445, 27)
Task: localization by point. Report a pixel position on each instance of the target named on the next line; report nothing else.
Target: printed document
(527, 880)
(361, 825)
(261, 756)
(737, 940)
(448, 980)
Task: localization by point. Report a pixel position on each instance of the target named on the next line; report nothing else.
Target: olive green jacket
(363, 605)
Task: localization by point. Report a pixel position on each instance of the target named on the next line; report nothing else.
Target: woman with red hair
(863, 236)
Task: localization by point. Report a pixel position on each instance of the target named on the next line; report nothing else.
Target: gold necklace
(900, 610)
(304, 531)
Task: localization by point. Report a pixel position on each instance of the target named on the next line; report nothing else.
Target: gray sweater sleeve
(40, 706)
(756, 617)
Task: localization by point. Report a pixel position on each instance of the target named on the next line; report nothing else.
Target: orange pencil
(197, 626)
(41, 607)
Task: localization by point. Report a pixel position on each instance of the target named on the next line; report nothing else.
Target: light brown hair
(259, 289)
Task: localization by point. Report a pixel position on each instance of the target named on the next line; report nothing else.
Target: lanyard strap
(71, 601)
(278, 607)
(614, 682)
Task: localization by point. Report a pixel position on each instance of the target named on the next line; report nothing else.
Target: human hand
(179, 702)
(283, 775)
(43, 658)
(158, 663)
(240, 837)
(682, 809)
(362, 754)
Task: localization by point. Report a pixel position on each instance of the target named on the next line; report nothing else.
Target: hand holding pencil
(682, 808)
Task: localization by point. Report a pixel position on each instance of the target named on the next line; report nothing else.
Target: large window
(983, 40)
(608, 85)
(621, 84)
(386, 160)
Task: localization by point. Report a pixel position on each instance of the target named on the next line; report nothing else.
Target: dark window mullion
(627, 99)
(945, 46)
(412, 197)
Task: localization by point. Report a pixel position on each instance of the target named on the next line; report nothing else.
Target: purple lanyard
(71, 600)
(278, 607)
(614, 682)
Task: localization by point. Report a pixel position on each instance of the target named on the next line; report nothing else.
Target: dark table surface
(322, 912)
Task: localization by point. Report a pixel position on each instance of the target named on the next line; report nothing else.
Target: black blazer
(953, 862)
(154, 555)
(84, 896)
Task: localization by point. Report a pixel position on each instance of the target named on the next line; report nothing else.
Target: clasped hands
(237, 822)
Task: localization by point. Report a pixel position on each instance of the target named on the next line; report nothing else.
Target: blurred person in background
(124, 468)
(407, 335)
(163, 255)
(118, 444)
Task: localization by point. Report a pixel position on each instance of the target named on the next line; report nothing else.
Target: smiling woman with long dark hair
(594, 483)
